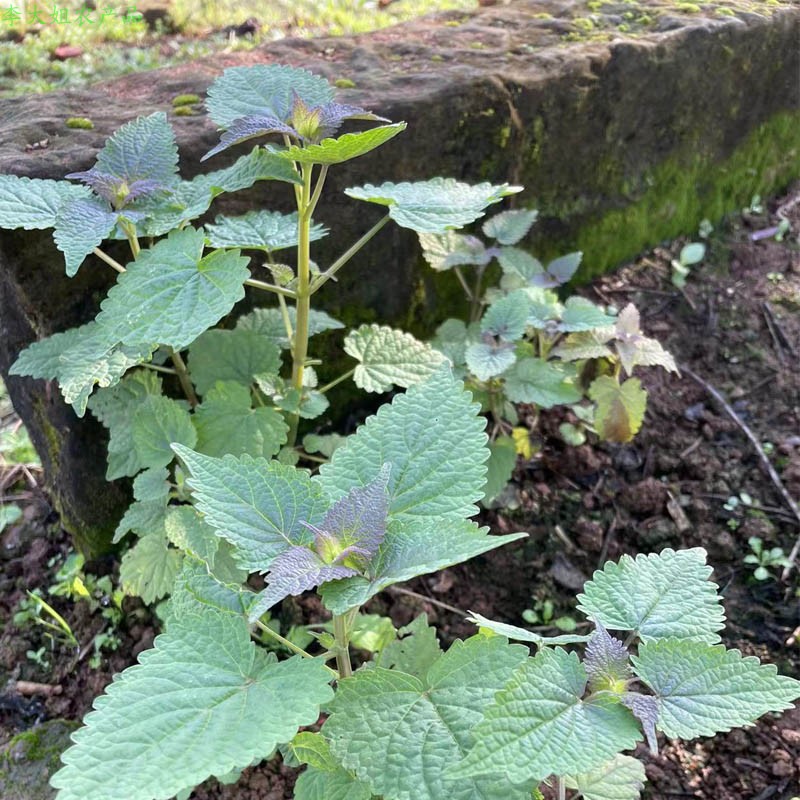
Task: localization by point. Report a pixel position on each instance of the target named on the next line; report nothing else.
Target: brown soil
(737, 326)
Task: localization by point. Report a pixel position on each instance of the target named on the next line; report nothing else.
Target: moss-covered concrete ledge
(626, 121)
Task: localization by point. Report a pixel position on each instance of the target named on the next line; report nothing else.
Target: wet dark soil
(737, 326)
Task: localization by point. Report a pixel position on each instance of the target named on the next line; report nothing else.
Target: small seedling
(690, 255)
(764, 559)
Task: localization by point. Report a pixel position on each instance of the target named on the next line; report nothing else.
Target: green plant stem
(341, 633)
(130, 232)
(562, 789)
(183, 377)
(337, 381)
(110, 261)
(302, 295)
(464, 285)
(158, 368)
(270, 287)
(329, 273)
(290, 645)
(323, 173)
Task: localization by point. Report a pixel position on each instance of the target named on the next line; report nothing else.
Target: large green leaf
(158, 422)
(500, 466)
(258, 506)
(142, 149)
(115, 408)
(146, 514)
(236, 356)
(244, 91)
(507, 317)
(269, 322)
(226, 423)
(540, 725)
(80, 226)
(343, 148)
(486, 360)
(703, 689)
(546, 383)
(434, 440)
(450, 249)
(581, 314)
(204, 701)
(399, 733)
(389, 357)
(80, 359)
(259, 230)
(414, 547)
(31, 203)
(325, 778)
(435, 205)
(149, 568)
(171, 293)
(658, 595)
(622, 778)
(414, 651)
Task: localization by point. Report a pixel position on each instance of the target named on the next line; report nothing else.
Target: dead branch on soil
(774, 477)
(28, 688)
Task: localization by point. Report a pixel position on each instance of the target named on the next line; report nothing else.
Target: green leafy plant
(482, 718)
(764, 559)
(246, 388)
(523, 345)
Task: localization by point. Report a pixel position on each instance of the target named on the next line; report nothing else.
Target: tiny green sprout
(764, 559)
(344, 83)
(705, 229)
(775, 277)
(39, 657)
(768, 448)
(186, 100)
(80, 123)
(784, 226)
(690, 254)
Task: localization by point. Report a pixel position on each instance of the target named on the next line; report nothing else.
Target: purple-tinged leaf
(332, 115)
(562, 269)
(645, 708)
(249, 128)
(116, 190)
(356, 524)
(293, 572)
(606, 660)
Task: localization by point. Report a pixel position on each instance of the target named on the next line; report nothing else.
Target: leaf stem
(329, 273)
(323, 173)
(465, 286)
(562, 788)
(110, 261)
(289, 645)
(183, 377)
(287, 322)
(270, 287)
(157, 368)
(341, 633)
(337, 381)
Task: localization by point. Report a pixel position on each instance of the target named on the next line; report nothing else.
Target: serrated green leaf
(704, 689)
(507, 317)
(620, 407)
(171, 293)
(204, 701)
(412, 548)
(444, 251)
(398, 733)
(508, 227)
(581, 314)
(244, 91)
(634, 348)
(258, 506)
(544, 308)
(196, 589)
(146, 514)
(235, 356)
(451, 340)
(539, 725)
(186, 529)
(518, 263)
(499, 467)
(434, 440)
(372, 632)
(545, 383)
(157, 423)
(622, 778)
(269, 322)
(486, 360)
(149, 568)
(658, 595)
(115, 407)
(259, 230)
(389, 357)
(584, 344)
(226, 423)
(258, 165)
(316, 784)
(142, 149)
(343, 148)
(523, 635)
(433, 206)
(414, 651)
(33, 204)
(326, 444)
(80, 359)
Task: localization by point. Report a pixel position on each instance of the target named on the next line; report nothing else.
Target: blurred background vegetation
(50, 45)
